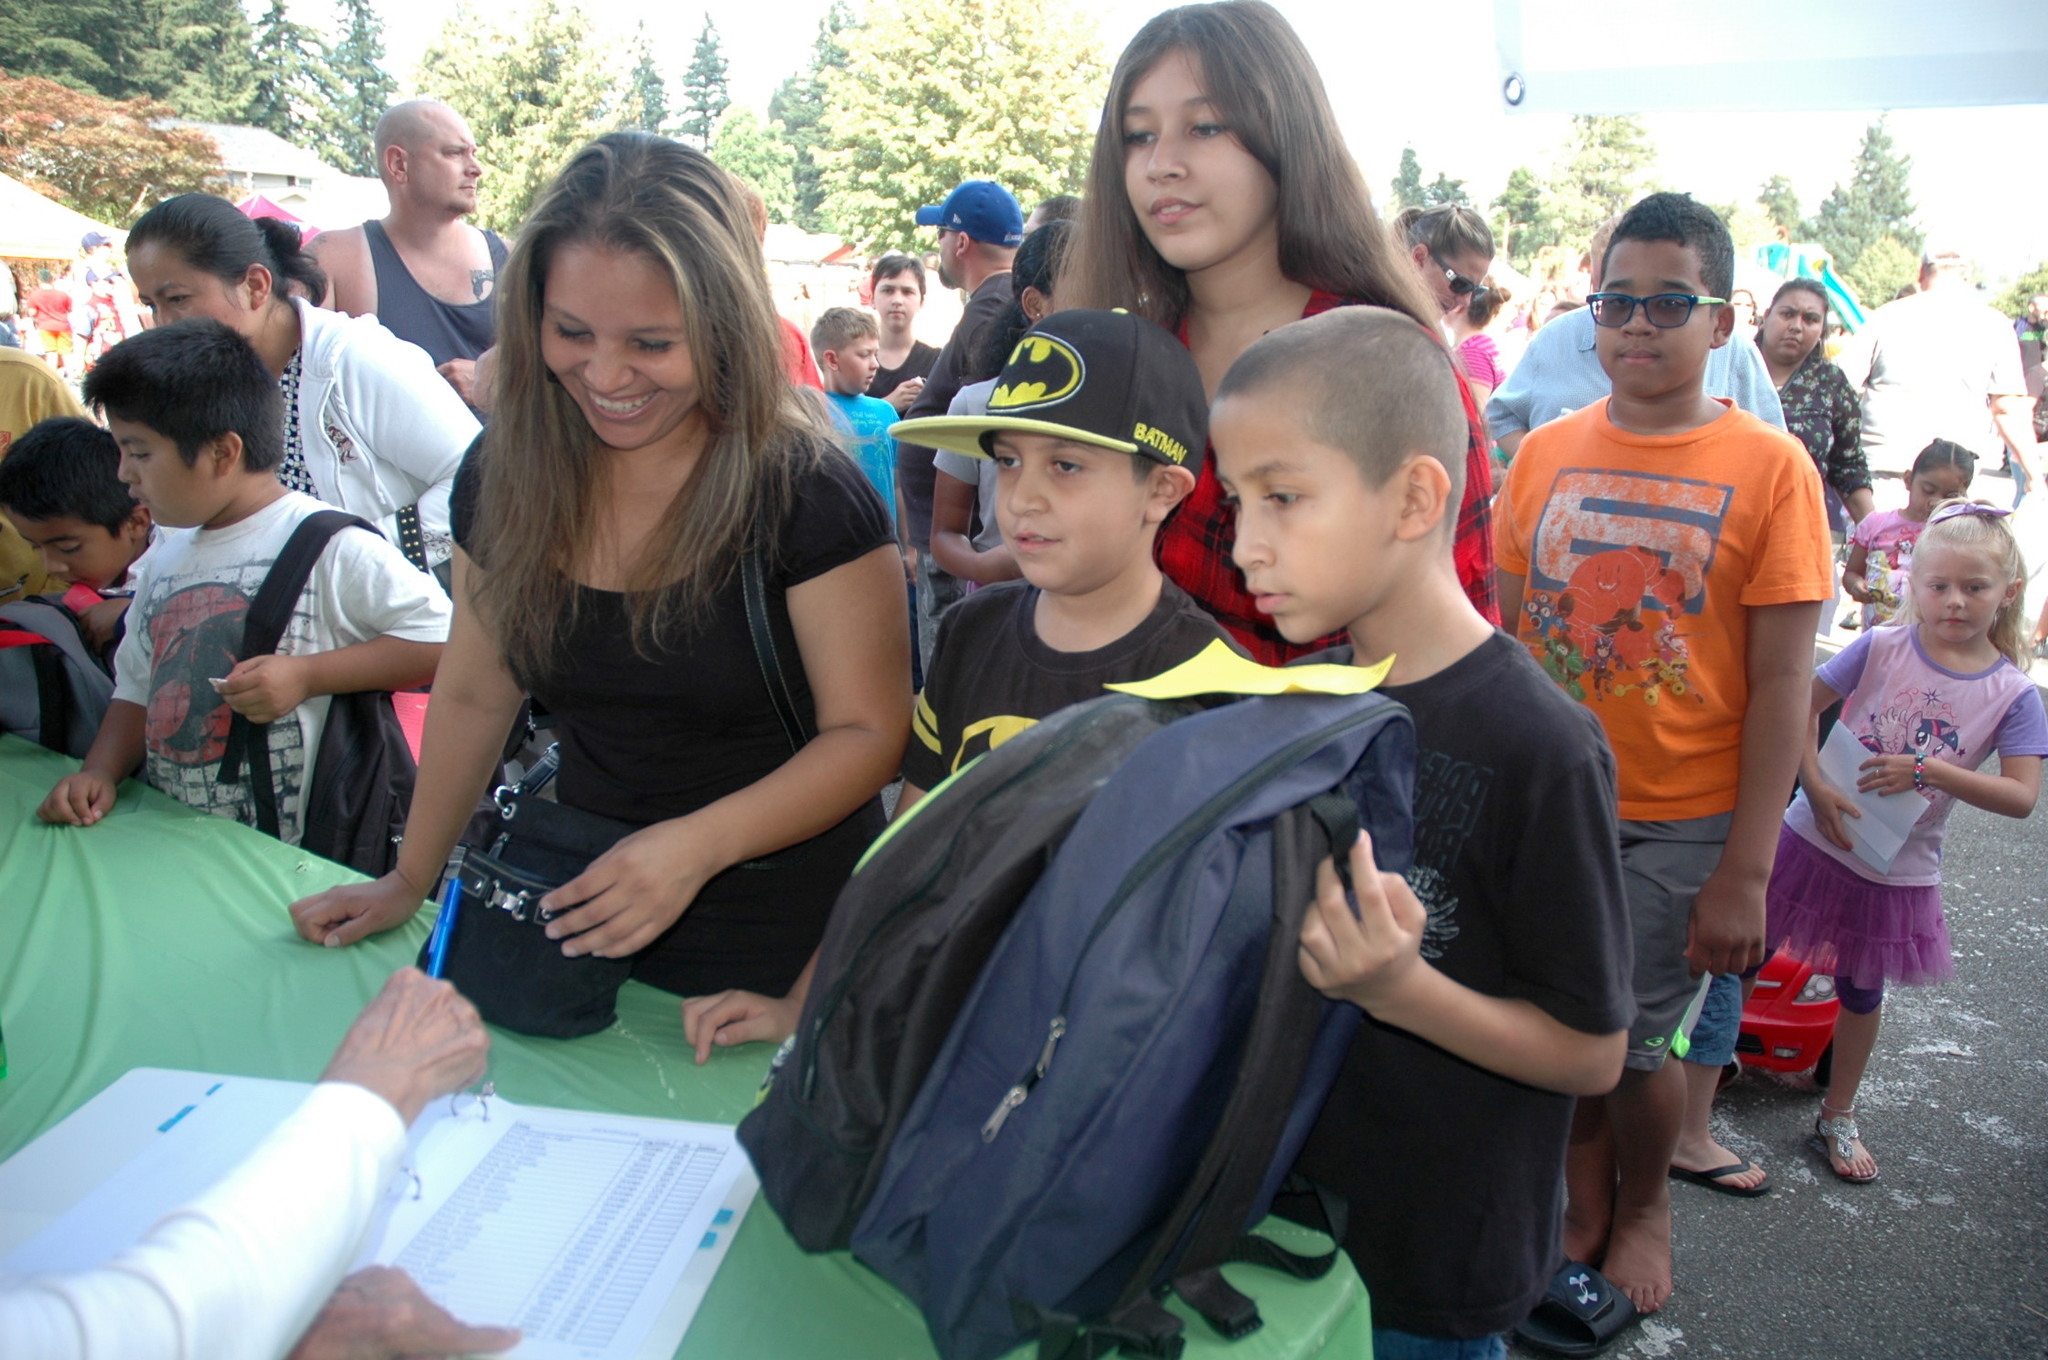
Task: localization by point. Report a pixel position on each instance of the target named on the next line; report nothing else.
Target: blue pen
(444, 925)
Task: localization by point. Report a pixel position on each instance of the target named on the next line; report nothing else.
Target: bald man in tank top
(423, 271)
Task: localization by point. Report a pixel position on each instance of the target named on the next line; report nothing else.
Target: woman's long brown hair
(1267, 91)
(542, 466)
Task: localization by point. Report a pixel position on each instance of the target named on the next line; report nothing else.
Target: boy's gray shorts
(1663, 865)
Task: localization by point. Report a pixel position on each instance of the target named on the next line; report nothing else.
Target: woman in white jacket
(370, 427)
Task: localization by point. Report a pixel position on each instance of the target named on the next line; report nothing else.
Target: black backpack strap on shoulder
(754, 585)
(1208, 1226)
(1138, 1328)
(270, 613)
(1332, 1218)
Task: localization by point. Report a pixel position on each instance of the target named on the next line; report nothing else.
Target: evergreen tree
(933, 92)
(1606, 168)
(2018, 297)
(1876, 203)
(1880, 270)
(292, 96)
(1443, 189)
(1406, 191)
(534, 86)
(705, 97)
(195, 55)
(1780, 202)
(646, 92)
(363, 90)
(799, 106)
(79, 43)
(1528, 222)
(759, 153)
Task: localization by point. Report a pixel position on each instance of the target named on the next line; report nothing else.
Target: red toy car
(1788, 1023)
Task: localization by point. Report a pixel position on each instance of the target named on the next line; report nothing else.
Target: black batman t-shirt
(1455, 1176)
(991, 677)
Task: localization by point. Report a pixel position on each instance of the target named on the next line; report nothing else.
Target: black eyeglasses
(1666, 311)
(1460, 285)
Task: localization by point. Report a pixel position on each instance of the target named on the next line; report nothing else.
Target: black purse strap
(248, 744)
(755, 587)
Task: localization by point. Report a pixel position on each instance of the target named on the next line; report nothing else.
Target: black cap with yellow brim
(1109, 379)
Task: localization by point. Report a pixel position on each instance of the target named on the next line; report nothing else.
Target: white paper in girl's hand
(1887, 818)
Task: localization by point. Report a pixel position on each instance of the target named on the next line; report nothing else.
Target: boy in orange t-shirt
(1664, 556)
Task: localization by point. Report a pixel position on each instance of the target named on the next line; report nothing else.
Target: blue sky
(1977, 171)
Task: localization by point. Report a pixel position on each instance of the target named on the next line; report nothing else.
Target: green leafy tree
(759, 152)
(1875, 203)
(83, 44)
(292, 96)
(109, 159)
(1443, 189)
(646, 91)
(937, 91)
(1406, 190)
(534, 84)
(799, 106)
(199, 58)
(1884, 267)
(363, 90)
(705, 96)
(2022, 293)
(1606, 167)
(1780, 202)
(1528, 222)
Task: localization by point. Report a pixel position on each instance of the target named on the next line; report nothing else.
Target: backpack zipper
(1192, 829)
(830, 1004)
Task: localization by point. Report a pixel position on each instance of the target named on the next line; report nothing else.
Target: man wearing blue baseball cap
(980, 227)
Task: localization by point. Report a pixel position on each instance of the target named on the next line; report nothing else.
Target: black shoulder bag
(498, 954)
(353, 812)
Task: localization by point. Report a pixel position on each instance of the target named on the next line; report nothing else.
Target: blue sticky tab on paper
(721, 1218)
(215, 1087)
(710, 1240)
(165, 1127)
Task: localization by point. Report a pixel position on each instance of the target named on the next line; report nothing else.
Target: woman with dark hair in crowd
(1221, 203)
(1821, 408)
(1477, 353)
(369, 425)
(1450, 248)
(645, 442)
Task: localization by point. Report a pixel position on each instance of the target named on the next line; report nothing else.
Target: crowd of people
(1283, 424)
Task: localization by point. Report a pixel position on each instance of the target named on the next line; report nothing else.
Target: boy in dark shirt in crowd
(1495, 977)
(1097, 427)
(61, 488)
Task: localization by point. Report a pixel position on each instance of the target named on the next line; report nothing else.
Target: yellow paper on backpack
(1216, 669)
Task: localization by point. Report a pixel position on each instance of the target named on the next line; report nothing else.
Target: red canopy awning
(260, 205)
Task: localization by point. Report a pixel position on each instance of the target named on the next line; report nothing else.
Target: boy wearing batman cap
(1097, 426)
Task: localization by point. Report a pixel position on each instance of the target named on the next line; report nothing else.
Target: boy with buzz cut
(61, 489)
(1494, 977)
(1664, 556)
(849, 346)
(1097, 425)
(200, 427)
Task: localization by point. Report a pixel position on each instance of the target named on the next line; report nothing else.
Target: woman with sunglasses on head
(1222, 203)
(1451, 248)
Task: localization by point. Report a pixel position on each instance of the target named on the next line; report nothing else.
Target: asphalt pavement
(1946, 1255)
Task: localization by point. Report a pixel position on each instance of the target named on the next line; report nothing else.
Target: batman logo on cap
(1042, 369)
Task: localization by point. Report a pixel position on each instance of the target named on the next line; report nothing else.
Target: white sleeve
(1858, 358)
(133, 659)
(238, 1273)
(368, 590)
(411, 420)
(2008, 370)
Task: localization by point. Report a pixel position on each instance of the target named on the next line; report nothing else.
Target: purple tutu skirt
(1831, 917)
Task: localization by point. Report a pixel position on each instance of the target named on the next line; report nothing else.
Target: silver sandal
(1835, 1138)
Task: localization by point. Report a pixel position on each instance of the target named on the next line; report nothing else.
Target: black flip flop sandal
(1581, 1314)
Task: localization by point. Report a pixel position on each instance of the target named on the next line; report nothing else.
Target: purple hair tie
(1978, 508)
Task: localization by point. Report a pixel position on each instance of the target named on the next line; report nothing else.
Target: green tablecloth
(159, 938)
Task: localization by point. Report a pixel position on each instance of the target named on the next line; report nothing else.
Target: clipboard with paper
(1877, 835)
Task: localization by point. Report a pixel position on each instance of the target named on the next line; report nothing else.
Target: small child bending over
(1931, 700)
(200, 427)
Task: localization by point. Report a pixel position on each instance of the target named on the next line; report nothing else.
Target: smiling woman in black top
(645, 442)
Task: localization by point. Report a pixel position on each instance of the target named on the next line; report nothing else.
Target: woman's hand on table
(380, 1314)
(734, 1017)
(633, 891)
(355, 911)
(78, 800)
(417, 1039)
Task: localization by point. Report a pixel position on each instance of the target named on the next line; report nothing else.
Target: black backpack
(363, 773)
(54, 689)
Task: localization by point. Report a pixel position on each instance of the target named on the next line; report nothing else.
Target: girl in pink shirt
(1881, 544)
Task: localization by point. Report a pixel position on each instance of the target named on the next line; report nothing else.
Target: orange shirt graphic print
(1618, 562)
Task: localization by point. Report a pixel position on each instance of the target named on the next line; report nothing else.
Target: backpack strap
(755, 587)
(269, 615)
(49, 630)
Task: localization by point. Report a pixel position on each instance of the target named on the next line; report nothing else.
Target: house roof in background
(253, 150)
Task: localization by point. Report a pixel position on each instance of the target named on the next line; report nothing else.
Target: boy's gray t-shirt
(972, 400)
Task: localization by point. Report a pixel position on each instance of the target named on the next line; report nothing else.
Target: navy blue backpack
(1134, 1071)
